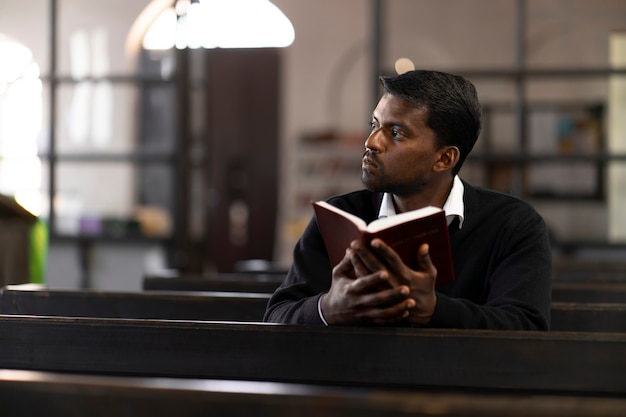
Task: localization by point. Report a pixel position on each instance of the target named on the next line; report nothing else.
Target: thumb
(344, 268)
(425, 263)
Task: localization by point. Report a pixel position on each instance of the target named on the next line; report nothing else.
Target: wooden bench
(29, 393)
(578, 291)
(226, 306)
(221, 282)
(489, 361)
(588, 317)
(589, 281)
(589, 292)
(586, 270)
(219, 306)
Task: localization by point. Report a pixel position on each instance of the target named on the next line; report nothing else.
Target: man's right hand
(367, 299)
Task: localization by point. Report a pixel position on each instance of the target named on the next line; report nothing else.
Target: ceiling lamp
(212, 24)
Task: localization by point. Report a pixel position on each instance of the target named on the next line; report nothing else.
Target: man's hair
(453, 111)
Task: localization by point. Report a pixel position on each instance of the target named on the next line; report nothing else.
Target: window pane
(27, 22)
(109, 118)
(112, 199)
(93, 37)
(20, 123)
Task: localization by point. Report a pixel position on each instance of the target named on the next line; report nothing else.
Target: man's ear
(448, 158)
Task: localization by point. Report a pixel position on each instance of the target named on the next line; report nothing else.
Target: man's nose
(373, 141)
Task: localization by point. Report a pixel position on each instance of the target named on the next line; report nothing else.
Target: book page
(359, 222)
(386, 222)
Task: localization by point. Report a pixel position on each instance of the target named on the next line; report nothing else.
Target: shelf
(129, 79)
(519, 74)
(518, 159)
(133, 157)
(131, 240)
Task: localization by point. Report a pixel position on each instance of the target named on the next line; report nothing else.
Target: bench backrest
(29, 393)
(229, 306)
(590, 363)
(578, 291)
(139, 305)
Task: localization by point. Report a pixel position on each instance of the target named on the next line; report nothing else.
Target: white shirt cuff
(319, 309)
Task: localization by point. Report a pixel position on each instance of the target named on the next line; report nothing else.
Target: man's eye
(372, 125)
(395, 132)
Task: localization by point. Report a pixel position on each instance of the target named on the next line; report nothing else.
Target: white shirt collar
(454, 206)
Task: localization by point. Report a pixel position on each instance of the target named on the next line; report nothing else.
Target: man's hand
(368, 299)
(382, 259)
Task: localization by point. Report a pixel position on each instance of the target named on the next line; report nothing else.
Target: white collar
(454, 206)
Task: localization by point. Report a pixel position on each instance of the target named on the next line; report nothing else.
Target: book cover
(404, 232)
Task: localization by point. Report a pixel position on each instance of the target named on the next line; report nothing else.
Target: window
(20, 125)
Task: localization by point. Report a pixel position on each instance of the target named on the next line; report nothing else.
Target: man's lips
(369, 162)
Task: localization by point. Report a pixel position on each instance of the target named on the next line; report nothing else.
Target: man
(423, 128)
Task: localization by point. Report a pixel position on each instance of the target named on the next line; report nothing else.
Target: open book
(404, 232)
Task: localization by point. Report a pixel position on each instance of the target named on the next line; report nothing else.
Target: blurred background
(137, 141)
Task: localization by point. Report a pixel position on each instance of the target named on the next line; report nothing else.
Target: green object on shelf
(38, 252)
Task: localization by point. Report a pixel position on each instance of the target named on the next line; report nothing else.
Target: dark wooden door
(242, 125)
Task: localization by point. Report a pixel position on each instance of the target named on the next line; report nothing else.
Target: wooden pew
(28, 393)
(579, 291)
(489, 361)
(588, 317)
(221, 282)
(586, 270)
(564, 269)
(589, 292)
(220, 306)
(225, 306)
(589, 281)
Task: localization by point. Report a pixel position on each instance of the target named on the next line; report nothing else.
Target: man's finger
(424, 261)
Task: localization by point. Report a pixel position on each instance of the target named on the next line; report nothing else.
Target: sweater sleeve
(310, 275)
(296, 300)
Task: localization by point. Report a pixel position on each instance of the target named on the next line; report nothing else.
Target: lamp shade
(216, 24)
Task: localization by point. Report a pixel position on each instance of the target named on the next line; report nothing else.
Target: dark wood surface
(589, 270)
(276, 370)
(562, 291)
(588, 317)
(37, 300)
(546, 362)
(589, 292)
(241, 160)
(35, 393)
(224, 282)
(236, 306)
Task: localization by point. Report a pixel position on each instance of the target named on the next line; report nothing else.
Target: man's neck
(436, 198)
(454, 205)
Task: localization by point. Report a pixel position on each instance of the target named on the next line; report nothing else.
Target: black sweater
(502, 264)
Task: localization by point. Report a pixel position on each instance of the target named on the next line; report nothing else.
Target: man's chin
(371, 185)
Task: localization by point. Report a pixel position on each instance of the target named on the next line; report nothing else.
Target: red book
(404, 232)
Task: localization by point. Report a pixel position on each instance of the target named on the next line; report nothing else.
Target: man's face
(400, 150)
